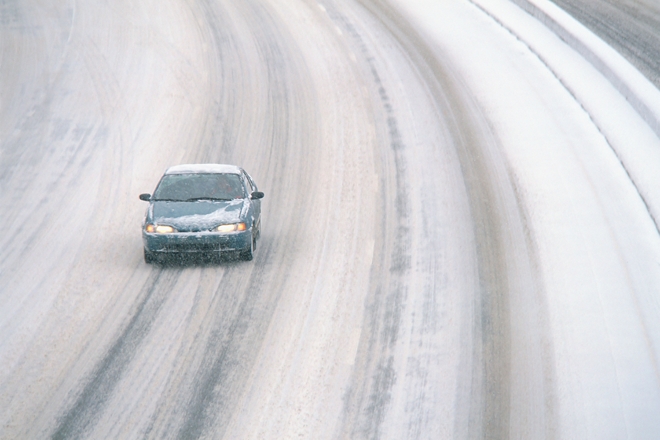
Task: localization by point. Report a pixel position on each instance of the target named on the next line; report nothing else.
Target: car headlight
(231, 227)
(159, 229)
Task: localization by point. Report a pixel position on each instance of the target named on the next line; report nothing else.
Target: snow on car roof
(203, 168)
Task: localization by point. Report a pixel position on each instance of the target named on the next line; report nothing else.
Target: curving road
(632, 27)
(422, 273)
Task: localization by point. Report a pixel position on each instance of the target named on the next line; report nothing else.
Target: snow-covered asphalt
(631, 26)
(460, 229)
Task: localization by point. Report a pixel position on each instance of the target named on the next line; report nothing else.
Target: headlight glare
(231, 227)
(159, 229)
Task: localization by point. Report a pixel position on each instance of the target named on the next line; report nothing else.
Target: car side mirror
(145, 197)
(257, 195)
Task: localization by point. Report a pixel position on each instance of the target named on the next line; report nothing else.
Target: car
(202, 209)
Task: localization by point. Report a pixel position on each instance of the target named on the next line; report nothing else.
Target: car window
(195, 186)
(247, 183)
(253, 186)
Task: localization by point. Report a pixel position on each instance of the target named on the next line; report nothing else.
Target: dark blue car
(207, 209)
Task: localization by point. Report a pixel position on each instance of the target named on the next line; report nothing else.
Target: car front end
(202, 209)
(162, 239)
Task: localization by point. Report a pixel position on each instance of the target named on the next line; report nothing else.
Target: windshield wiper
(195, 199)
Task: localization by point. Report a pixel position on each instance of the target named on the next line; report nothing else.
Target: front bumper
(195, 242)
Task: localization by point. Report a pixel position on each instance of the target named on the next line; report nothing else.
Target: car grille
(200, 247)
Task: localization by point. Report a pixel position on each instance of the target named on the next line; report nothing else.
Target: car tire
(248, 254)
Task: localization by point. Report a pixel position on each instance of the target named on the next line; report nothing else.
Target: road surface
(455, 242)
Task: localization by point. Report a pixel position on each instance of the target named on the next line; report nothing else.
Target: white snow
(566, 130)
(203, 168)
(296, 343)
(226, 212)
(634, 86)
(624, 105)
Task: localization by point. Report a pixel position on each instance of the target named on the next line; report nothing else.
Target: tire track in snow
(89, 404)
(389, 278)
(231, 340)
(502, 234)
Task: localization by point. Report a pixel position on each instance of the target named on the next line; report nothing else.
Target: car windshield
(198, 186)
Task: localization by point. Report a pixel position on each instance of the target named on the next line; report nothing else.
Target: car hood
(196, 216)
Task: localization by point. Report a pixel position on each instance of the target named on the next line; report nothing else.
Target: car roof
(203, 168)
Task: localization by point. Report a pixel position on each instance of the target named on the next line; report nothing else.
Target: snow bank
(582, 158)
(636, 88)
(639, 154)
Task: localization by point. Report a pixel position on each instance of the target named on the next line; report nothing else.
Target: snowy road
(460, 232)
(631, 26)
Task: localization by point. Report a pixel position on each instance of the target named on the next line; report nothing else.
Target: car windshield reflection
(195, 187)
